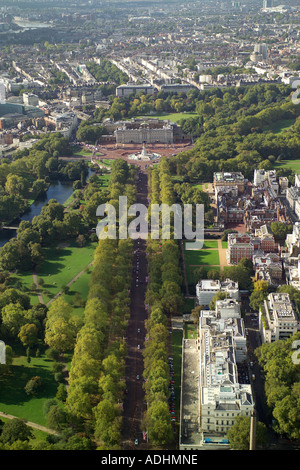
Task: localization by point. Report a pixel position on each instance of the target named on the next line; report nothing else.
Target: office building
(125, 90)
(206, 289)
(277, 318)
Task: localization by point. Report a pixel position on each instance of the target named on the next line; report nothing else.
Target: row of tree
(96, 379)
(280, 363)
(164, 298)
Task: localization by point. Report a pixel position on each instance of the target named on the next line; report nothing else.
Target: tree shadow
(12, 386)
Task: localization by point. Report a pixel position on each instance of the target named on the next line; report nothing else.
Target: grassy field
(206, 258)
(82, 152)
(13, 399)
(202, 186)
(173, 117)
(202, 257)
(280, 126)
(61, 265)
(292, 164)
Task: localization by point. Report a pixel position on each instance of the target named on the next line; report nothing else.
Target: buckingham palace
(161, 133)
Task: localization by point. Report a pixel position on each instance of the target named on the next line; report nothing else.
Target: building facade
(144, 134)
(277, 318)
(229, 179)
(223, 395)
(239, 246)
(125, 90)
(206, 289)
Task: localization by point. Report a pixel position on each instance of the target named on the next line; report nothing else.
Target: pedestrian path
(30, 424)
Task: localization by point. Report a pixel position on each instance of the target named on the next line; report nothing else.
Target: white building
(293, 240)
(292, 271)
(277, 318)
(126, 134)
(228, 308)
(260, 176)
(206, 289)
(223, 395)
(292, 195)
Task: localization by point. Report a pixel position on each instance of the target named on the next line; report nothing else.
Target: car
(139, 347)
(136, 442)
(139, 330)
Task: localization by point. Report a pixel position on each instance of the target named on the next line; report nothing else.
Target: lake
(59, 191)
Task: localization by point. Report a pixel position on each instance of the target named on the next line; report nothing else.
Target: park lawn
(173, 117)
(280, 126)
(224, 245)
(210, 244)
(294, 165)
(38, 436)
(69, 200)
(81, 151)
(13, 399)
(202, 257)
(80, 286)
(25, 278)
(201, 186)
(61, 265)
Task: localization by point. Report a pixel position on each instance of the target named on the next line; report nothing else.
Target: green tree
(33, 386)
(13, 317)
(158, 423)
(56, 418)
(28, 334)
(257, 298)
(15, 430)
(239, 434)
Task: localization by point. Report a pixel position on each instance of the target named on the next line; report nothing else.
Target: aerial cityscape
(149, 227)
